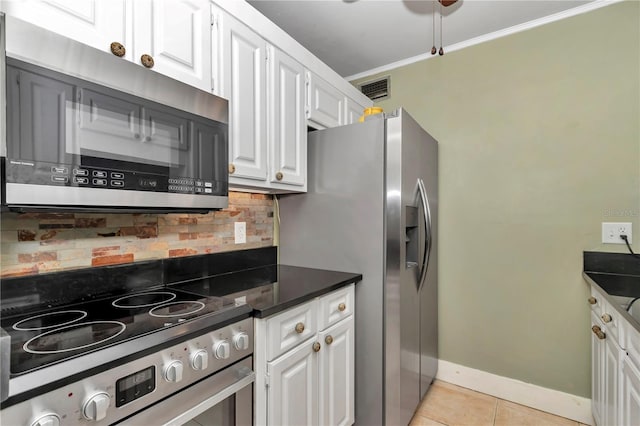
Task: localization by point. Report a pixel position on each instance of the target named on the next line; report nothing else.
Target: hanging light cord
(441, 51)
(433, 27)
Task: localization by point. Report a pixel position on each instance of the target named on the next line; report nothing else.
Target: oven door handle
(191, 402)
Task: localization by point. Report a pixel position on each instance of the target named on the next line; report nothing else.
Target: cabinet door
(336, 374)
(177, 34)
(293, 389)
(597, 374)
(288, 134)
(353, 111)
(93, 22)
(610, 381)
(630, 404)
(325, 103)
(243, 75)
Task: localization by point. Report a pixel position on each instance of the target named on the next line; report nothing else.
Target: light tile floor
(447, 404)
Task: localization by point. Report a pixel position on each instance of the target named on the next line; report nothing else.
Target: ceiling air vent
(377, 89)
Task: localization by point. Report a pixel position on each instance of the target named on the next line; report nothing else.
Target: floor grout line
(495, 412)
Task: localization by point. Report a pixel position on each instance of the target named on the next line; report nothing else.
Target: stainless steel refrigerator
(372, 208)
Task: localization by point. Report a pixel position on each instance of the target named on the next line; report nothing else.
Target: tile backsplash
(33, 243)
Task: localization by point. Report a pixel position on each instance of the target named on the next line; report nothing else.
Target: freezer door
(339, 225)
(411, 275)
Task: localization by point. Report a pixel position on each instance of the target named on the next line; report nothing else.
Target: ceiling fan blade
(447, 2)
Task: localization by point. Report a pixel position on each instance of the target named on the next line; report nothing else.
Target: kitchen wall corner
(539, 142)
(33, 243)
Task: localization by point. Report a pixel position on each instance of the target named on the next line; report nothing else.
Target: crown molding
(597, 4)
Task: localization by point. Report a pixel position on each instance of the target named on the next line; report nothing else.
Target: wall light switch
(611, 232)
(241, 232)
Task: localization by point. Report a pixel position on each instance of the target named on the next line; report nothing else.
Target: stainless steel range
(141, 355)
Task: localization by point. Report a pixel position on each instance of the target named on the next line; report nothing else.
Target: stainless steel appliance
(136, 356)
(372, 206)
(88, 130)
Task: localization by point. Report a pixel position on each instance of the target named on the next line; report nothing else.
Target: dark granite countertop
(617, 277)
(251, 275)
(273, 288)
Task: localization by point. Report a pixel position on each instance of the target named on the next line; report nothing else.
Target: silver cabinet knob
(47, 420)
(241, 341)
(173, 372)
(95, 407)
(606, 318)
(200, 359)
(221, 349)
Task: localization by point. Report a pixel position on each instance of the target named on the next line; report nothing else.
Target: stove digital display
(135, 385)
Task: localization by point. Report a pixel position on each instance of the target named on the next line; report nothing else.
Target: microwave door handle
(426, 254)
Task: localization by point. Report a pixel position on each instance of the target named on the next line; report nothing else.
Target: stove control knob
(241, 341)
(173, 372)
(47, 420)
(95, 407)
(199, 359)
(221, 349)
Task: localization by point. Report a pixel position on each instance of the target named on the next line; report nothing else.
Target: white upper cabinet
(177, 35)
(242, 77)
(288, 127)
(353, 111)
(325, 103)
(93, 22)
(174, 35)
(230, 49)
(265, 88)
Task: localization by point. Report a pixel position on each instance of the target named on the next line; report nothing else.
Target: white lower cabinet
(336, 374)
(605, 354)
(293, 387)
(311, 383)
(630, 397)
(615, 368)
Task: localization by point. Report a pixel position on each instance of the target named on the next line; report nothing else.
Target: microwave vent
(376, 90)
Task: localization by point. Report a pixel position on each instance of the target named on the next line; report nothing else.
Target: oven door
(223, 399)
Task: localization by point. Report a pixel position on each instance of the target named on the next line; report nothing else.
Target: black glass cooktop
(42, 338)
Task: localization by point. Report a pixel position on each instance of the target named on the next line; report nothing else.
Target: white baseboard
(551, 401)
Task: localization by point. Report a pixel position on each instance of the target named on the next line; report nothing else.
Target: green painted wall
(539, 144)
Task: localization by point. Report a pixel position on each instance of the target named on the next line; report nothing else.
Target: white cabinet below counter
(304, 363)
(615, 365)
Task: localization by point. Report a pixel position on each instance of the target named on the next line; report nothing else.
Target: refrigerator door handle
(426, 208)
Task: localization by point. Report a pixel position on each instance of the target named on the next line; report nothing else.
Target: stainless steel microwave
(86, 130)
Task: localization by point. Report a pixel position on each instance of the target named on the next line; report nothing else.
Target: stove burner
(72, 337)
(49, 320)
(143, 300)
(176, 309)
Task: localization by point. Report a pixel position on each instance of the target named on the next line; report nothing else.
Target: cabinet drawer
(288, 329)
(336, 306)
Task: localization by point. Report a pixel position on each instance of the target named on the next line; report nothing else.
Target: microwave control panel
(39, 173)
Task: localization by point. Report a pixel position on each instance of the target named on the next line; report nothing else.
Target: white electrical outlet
(611, 232)
(241, 232)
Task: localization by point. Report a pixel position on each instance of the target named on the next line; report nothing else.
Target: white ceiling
(355, 36)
